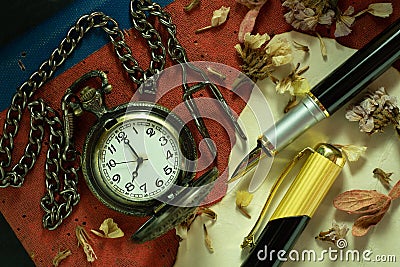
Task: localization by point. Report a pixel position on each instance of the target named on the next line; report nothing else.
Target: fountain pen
(326, 97)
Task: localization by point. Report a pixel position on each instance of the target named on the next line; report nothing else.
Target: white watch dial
(139, 159)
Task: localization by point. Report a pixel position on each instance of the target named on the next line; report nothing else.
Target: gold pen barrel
(296, 207)
(312, 183)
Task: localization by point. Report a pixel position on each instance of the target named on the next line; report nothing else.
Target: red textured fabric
(21, 206)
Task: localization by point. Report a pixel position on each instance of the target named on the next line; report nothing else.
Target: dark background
(19, 16)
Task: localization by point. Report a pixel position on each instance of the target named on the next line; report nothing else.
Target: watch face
(139, 158)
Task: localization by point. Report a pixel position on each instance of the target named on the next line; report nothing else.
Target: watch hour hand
(133, 151)
(135, 172)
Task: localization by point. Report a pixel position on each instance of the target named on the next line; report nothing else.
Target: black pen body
(356, 73)
(276, 240)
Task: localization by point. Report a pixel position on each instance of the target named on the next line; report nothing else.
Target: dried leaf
(395, 192)
(361, 201)
(363, 224)
(83, 239)
(61, 255)
(110, 229)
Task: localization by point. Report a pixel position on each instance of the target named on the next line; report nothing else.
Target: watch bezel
(161, 115)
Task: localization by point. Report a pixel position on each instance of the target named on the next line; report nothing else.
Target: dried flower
(352, 152)
(207, 239)
(383, 176)
(344, 22)
(372, 204)
(243, 199)
(294, 83)
(61, 255)
(261, 58)
(333, 234)
(307, 14)
(191, 5)
(83, 240)
(184, 227)
(382, 10)
(219, 17)
(375, 112)
(247, 25)
(110, 229)
(291, 104)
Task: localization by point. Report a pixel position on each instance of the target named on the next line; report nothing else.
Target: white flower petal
(382, 10)
(220, 16)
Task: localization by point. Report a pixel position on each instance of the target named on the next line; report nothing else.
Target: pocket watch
(136, 152)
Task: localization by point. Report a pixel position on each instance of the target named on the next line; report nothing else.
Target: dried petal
(353, 152)
(395, 192)
(83, 238)
(322, 45)
(110, 229)
(301, 47)
(220, 16)
(61, 255)
(191, 5)
(207, 239)
(363, 224)
(255, 41)
(382, 176)
(247, 25)
(300, 86)
(361, 201)
(243, 199)
(382, 10)
(182, 231)
(341, 29)
(335, 233)
(352, 115)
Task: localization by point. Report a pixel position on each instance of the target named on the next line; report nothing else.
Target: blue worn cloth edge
(39, 42)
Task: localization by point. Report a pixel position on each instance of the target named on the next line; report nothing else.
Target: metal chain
(141, 23)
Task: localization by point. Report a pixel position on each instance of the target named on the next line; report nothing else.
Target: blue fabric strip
(35, 46)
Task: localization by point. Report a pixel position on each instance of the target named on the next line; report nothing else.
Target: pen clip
(249, 239)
